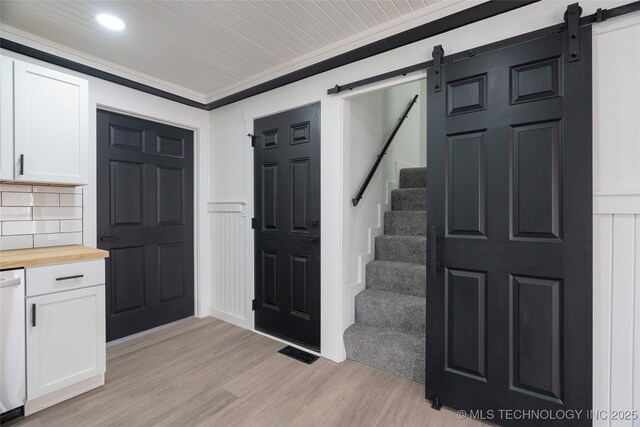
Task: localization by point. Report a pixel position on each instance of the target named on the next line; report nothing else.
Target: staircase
(389, 333)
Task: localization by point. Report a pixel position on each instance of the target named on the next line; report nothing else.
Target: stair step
(392, 310)
(388, 350)
(412, 249)
(405, 223)
(396, 276)
(409, 199)
(413, 178)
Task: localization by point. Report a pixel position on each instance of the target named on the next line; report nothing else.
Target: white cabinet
(65, 339)
(6, 118)
(65, 331)
(48, 141)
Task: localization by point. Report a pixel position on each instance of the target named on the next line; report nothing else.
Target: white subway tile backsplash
(70, 225)
(11, 228)
(17, 199)
(70, 199)
(46, 199)
(16, 242)
(57, 212)
(39, 216)
(16, 187)
(59, 190)
(56, 239)
(47, 227)
(15, 213)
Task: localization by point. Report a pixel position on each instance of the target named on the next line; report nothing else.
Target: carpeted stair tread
(387, 349)
(409, 199)
(405, 223)
(397, 276)
(390, 314)
(413, 178)
(392, 310)
(412, 249)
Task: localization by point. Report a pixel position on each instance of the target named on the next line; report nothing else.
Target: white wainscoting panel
(616, 312)
(228, 267)
(616, 223)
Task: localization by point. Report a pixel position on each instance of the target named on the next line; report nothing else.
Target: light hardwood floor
(206, 372)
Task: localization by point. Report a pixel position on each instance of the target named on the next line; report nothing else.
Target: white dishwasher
(12, 340)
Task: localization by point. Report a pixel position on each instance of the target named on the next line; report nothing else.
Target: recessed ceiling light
(111, 22)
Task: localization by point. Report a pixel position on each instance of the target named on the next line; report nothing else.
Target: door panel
(287, 206)
(509, 165)
(127, 276)
(145, 219)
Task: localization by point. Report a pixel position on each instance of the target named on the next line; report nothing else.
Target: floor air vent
(298, 354)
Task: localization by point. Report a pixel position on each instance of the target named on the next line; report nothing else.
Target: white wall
(410, 144)
(616, 185)
(103, 94)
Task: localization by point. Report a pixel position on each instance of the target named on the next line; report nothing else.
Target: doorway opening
(384, 226)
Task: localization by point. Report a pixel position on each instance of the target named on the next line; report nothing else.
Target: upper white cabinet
(49, 136)
(6, 118)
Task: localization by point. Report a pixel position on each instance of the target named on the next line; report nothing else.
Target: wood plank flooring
(206, 372)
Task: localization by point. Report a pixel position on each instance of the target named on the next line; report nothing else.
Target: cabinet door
(50, 125)
(65, 339)
(6, 118)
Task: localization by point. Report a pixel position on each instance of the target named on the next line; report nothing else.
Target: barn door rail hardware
(437, 54)
(373, 169)
(572, 18)
(601, 15)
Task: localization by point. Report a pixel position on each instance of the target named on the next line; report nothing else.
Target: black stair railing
(372, 172)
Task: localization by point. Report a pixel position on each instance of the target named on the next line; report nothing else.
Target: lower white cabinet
(65, 339)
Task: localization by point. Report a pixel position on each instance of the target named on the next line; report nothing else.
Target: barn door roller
(572, 18)
(437, 54)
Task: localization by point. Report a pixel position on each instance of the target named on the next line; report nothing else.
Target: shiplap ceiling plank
(403, 6)
(344, 8)
(390, 8)
(365, 14)
(202, 46)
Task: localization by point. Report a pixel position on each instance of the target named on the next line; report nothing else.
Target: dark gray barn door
(287, 229)
(145, 221)
(509, 172)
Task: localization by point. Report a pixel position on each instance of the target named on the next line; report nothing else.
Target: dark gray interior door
(287, 229)
(510, 185)
(145, 221)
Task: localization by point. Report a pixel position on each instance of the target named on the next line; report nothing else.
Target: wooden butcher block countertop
(53, 255)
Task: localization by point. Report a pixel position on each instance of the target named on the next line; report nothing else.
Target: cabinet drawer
(63, 277)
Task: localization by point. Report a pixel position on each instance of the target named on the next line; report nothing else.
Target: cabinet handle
(33, 315)
(21, 164)
(77, 276)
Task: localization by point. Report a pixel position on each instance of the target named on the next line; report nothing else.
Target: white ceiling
(211, 48)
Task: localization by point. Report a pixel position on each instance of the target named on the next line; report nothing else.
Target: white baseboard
(229, 318)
